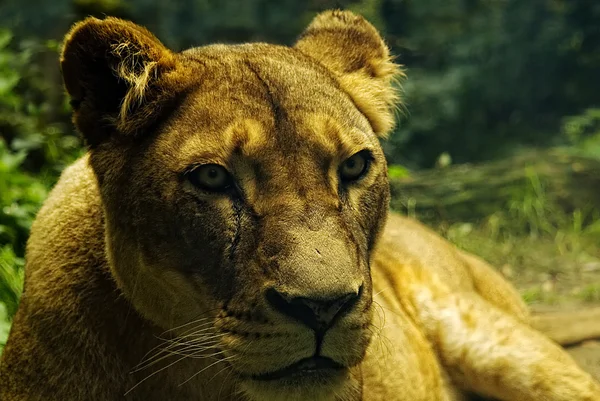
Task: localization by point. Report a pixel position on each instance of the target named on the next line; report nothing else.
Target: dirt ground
(587, 355)
(568, 325)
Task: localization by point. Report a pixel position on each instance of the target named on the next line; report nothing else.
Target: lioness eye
(211, 177)
(354, 167)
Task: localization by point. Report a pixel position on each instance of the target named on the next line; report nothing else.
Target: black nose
(316, 313)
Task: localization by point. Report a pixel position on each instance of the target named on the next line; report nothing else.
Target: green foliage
(11, 280)
(20, 197)
(583, 131)
(542, 246)
(591, 293)
(4, 326)
(487, 77)
(398, 171)
(34, 114)
(189, 23)
(531, 212)
(36, 143)
(97, 8)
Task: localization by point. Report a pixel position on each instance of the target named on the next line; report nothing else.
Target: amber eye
(355, 166)
(211, 177)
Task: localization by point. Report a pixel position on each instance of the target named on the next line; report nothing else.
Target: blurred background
(497, 146)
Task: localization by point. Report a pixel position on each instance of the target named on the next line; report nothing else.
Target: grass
(545, 251)
(590, 293)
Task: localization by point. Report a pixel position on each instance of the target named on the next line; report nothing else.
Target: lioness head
(244, 188)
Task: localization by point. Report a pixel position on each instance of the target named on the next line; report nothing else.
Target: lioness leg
(490, 352)
(493, 287)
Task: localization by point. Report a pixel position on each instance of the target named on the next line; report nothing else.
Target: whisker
(207, 367)
(225, 381)
(384, 340)
(193, 321)
(218, 373)
(380, 312)
(208, 322)
(204, 340)
(161, 344)
(227, 365)
(153, 374)
(201, 331)
(199, 354)
(197, 333)
(197, 342)
(173, 352)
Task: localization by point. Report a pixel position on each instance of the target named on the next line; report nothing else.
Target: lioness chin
(225, 238)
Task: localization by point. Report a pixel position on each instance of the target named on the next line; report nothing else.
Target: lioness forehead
(279, 77)
(259, 101)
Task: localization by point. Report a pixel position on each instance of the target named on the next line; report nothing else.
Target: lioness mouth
(316, 365)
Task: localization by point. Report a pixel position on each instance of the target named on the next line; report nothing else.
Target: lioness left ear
(119, 76)
(354, 51)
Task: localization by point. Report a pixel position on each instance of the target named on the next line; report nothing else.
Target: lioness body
(225, 238)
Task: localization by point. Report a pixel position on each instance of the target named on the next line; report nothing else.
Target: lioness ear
(116, 73)
(354, 51)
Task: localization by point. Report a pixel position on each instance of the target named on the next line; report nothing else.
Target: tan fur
(142, 286)
(353, 50)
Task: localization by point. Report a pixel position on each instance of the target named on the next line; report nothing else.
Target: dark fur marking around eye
(238, 210)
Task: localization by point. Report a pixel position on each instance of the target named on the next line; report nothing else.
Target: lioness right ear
(352, 49)
(117, 74)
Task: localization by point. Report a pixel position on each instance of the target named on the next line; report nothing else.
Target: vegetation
(549, 250)
(498, 145)
(36, 143)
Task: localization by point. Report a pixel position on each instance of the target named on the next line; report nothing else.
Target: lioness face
(245, 203)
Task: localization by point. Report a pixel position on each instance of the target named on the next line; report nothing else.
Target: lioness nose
(316, 313)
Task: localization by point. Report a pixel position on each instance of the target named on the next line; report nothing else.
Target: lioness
(225, 238)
